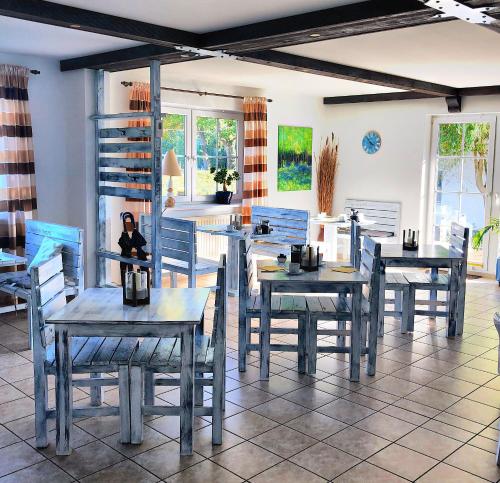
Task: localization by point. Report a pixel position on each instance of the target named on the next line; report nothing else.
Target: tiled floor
(430, 414)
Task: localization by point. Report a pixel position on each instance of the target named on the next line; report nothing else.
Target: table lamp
(171, 168)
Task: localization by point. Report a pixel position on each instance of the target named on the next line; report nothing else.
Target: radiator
(211, 246)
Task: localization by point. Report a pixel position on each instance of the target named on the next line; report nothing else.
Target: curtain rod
(34, 71)
(200, 93)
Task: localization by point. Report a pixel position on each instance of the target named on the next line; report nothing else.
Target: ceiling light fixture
(452, 8)
(75, 26)
(314, 35)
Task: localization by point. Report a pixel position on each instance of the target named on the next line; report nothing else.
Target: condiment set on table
(410, 240)
(263, 228)
(235, 223)
(302, 258)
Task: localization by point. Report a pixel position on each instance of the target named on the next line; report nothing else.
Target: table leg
(232, 265)
(453, 298)
(433, 293)
(381, 301)
(265, 329)
(64, 393)
(461, 298)
(356, 333)
(187, 390)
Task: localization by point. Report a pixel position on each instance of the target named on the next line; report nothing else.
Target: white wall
(63, 141)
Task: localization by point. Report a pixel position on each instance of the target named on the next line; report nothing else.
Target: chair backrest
(370, 267)
(459, 240)
(177, 238)
(219, 324)
(386, 216)
(47, 297)
(293, 225)
(71, 238)
(355, 252)
(246, 270)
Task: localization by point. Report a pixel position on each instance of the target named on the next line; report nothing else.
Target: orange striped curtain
(255, 155)
(17, 162)
(139, 101)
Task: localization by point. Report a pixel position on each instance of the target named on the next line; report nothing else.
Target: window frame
(191, 114)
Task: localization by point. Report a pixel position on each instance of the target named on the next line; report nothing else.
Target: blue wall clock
(371, 142)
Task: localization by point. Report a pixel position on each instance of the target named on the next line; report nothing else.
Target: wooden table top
(105, 305)
(435, 252)
(323, 275)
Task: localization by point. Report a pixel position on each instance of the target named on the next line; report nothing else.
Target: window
(462, 177)
(201, 140)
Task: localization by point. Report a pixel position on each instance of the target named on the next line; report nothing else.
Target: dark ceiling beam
(329, 69)
(400, 96)
(127, 59)
(86, 20)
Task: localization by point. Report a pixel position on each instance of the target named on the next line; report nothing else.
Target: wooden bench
(291, 227)
(90, 355)
(18, 284)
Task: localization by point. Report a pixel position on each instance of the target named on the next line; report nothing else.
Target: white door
(461, 178)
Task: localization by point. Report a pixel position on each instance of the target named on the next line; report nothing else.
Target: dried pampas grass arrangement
(326, 169)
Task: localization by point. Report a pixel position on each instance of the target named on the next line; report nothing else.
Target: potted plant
(224, 177)
(477, 238)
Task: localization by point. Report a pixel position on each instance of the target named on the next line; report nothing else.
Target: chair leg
(411, 309)
(198, 390)
(248, 329)
(398, 302)
(149, 388)
(124, 402)
(302, 339)
(95, 391)
(313, 344)
(405, 310)
(433, 293)
(173, 280)
(364, 329)
(341, 324)
(41, 406)
(242, 343)
(217, 402)
(192, 280)
(136, 414)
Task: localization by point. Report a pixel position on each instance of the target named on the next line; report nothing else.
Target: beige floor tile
(385, 426)
(471, 375)
(286, 472)
(151, 439)
(169, 425)
(202, 442)
(43, 471)
(448, 430)
(433, 398)
(475, 461)
(277, 385)
(444, 473)
(7, 437)
(346, 411)
(248, 424)
(88, 459)
(166, 460)
(280, 410)
(452, 385)
(416, 375)
(357, 442)
(365, 472)
(366, 401)
(484, 443)
(123, 472)
(316, 425)
(403, 461)
(246, 460)
(430, 443)
(204, 472)
(20, 408)
(395, 386)
(485, 395)
(404, 415)
(16, 457)
(309, 397)
(324, 460)
(283, 441)
(480, 413)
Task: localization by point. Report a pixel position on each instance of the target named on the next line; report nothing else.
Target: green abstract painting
(294, 158)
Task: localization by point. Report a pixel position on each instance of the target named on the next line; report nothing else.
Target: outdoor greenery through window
(462, 180)
(201, 140)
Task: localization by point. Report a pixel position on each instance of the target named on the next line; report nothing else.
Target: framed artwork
(294, 158)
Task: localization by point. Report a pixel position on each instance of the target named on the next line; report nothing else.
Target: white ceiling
(30, 38)
(454, 53)
(203, 15)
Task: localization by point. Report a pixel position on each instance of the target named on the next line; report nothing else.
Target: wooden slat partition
(140, 147)
(125, 192)
(112, 177)
(131, 163)
(125, 132)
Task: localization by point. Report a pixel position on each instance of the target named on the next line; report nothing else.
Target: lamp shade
(171, 165)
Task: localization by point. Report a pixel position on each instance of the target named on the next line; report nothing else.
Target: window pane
(205, 185)
(228, 129)
(174, 137)
(476, 139)
(475, 175)
(206, 137)
(448, 174)
(450, 139)
(472, 215)
(447, 209)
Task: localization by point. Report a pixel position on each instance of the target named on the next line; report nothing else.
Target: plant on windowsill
(224, 177)
(477, 238)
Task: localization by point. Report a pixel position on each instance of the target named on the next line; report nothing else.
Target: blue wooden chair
(90, 355)
(156, 356)
(178, 248)
(290, 227)
(282, 307)
(339, 308)
(435, 281)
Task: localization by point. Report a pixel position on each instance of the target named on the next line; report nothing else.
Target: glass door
(461, 180)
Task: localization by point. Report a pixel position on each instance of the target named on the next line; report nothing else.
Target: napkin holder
(410, 240)
(310, 259)
(136, 287)
(296, 253)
